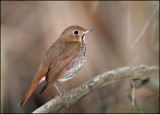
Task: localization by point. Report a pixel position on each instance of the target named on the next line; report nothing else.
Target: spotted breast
(79, 62)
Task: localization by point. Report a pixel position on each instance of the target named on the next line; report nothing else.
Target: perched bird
(62, 61)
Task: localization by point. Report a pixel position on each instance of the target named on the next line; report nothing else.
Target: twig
(107, 78)
(145, 27)
(133, 93)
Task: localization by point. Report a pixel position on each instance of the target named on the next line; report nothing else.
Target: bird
(62, 61)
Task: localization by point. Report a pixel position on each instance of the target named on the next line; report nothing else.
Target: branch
(107, 78)
(145, 26)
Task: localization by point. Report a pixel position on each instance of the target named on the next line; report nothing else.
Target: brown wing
(54, 64)
(60, 65)
(42, 72)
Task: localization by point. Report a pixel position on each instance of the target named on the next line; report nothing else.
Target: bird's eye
(75, 32)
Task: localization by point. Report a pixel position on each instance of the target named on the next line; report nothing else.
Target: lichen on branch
(107, 78)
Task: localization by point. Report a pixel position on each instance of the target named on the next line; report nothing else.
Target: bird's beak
(89, 30)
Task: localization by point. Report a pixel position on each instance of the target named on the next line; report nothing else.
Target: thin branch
(107, 78)
(145, 27)
(133, 93)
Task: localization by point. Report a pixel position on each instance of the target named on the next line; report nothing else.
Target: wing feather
(61, 66)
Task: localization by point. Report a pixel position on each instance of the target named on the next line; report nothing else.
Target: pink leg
(62, 95)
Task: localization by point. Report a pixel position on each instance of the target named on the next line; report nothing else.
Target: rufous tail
(29, 92)
(39, 75)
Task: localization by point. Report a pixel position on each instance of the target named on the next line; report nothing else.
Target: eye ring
(76, 32)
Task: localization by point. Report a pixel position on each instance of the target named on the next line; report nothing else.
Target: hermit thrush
(63, 59)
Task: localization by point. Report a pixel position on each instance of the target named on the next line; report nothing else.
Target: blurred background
(126, 33)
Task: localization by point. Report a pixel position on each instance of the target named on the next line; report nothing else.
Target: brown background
(28, 29)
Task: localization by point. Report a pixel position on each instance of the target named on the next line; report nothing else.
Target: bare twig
(148, 82)
(107, 78)
(133, 93)
(145, 27)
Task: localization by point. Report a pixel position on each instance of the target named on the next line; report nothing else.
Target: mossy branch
(107, 78)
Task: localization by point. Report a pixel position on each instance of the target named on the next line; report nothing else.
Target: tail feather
(39, 75)
(29, 92)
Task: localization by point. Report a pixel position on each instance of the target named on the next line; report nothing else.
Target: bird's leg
(71, 92)
(62, 95)
(61, 87)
